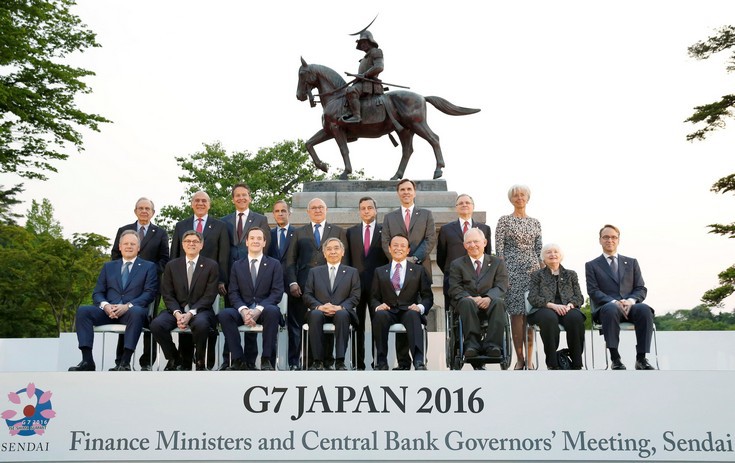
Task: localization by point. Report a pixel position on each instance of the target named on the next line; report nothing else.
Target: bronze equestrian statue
(369, 113)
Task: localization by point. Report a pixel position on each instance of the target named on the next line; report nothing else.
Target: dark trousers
(472, 317)
(89, 316)
(362, 309)
(230, 319)
(548, 322)
(641, 315)
(295, 319)
(149, 345)
(414, 333)
(201, 325)
(316, 320)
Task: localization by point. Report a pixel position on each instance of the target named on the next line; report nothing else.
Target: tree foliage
(7, 201)
(699, 318)
(39, 118)
(272, 173)
(713, 116)
(40, 219)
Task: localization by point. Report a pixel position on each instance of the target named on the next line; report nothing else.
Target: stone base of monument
(342, 199)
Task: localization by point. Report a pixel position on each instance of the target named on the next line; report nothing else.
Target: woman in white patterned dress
(518, 242)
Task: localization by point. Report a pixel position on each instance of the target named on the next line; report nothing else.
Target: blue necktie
(316, 235)
(126, 274)
(282, 243)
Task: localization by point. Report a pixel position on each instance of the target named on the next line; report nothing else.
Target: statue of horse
(405, 113)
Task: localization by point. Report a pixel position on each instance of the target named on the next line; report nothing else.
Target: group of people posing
(331, 275)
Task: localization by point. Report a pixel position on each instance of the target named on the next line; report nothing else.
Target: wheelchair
(455, 349)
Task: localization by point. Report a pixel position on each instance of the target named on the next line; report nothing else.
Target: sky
(583, 101)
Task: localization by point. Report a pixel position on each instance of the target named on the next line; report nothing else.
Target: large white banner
(491, 415)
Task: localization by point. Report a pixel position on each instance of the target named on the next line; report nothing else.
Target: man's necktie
(407, 220)
(477, 267)
(126, 274)
(199, 225)
(466, 227)
(141, 233)
(396, 279)
(282, 243)
(190, 272)
(366, 240)
(317, 237)
(239, 226)
(613, 266)
(253, 271)
(331, 277)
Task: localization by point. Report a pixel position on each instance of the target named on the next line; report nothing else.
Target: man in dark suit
(477, 285)
(418, 225)
(153, 248)
(280, 240)
(238, 223)
(450, 245)
(332, 291)
(124, 290)
(216, 247)
(616, 289)
(366, 254)
(304, 253)
(255, 289)
(401, 293)
(189, 288)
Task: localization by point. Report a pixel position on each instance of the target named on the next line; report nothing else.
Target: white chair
(187, 330)
(328, 328)
(397, 328)
(283, 306)
(116, 328)
(537, 329)
(624, 326)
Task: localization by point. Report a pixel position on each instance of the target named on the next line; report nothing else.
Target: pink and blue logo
(30, 411)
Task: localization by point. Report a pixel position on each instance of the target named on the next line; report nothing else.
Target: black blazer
(273, 250)
(268, 289)
(542, 288)
(238, 250)
(153, 248)
(216, 243)
(346, 292)
(366, 265)
(303, 254)
(175, 289)
(421, 234)
(450, 244)
(463, 280)
(416, 289)
(603, 286)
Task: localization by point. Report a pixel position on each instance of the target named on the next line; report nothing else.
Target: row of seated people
(298, 251)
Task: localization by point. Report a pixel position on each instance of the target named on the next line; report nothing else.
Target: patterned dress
(518, 242)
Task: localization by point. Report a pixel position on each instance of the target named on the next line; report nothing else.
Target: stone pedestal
(342, 199)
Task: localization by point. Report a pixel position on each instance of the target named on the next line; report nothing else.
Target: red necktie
(396, 279)
(407, 220)
(466, 227)
(366, 240)
(477, 267)
(199, 225)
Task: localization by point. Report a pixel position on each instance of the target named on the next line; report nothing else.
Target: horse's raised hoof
(437, 173)
(323, 166)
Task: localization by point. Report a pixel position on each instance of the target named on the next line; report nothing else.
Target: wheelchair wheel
(507, 345)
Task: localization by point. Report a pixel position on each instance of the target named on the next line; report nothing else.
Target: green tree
(40, 219)
(272, 173)
(39, 117)
(713, 116)
(699, 318)
(7, 201)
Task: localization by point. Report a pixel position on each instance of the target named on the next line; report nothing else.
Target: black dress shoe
(643, 365)
(617, 365)
(329, 366)
(294, 368)
(224, 367)
(83, 366)
(122, 367)
(493, 351)
(265, 365)
(238, 365)
(145, 368)
(382, 367)
(200, 366)
(250, 366)
(171, 365)
(317, 365)
(420, 367)
(402, 368)
(340, 365)
(470, 352)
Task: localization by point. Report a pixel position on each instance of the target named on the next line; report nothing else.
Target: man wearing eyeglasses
(188, 288)
(304, 253)
(616, 289)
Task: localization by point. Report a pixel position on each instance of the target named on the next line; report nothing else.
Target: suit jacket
(450, 244)
(603, 286)
(543, 286)
(216, 243)
(238, 250)
(153, 248)
(346, 292)
(268, 289)
(421, 234)
(463, 280)
(140, 290)
(175, 290)
(303, 254)
(366, 265)
(274, 253)
(416, 289)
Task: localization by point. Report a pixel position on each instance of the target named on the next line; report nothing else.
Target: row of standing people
(518, 241)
